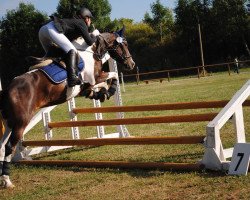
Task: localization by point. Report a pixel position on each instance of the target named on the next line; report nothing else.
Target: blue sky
(134, 9)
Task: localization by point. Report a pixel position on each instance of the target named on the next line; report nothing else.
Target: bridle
(114, 48)
(119, 42)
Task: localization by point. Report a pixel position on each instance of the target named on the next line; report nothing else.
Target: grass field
(81, 183)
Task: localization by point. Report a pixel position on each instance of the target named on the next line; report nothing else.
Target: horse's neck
(82, 46)
(87, 54)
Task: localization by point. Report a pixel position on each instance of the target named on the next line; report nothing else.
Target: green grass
(81, 183)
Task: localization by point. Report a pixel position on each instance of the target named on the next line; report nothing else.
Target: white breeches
(49, 35)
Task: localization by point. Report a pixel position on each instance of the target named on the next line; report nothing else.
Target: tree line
(165, 39)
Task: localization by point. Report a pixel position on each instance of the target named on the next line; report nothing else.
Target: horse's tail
(2, 128)
(1, 100)
(3, 94)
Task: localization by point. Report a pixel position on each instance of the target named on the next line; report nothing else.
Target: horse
(34, 90)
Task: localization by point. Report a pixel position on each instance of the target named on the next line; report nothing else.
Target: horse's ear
(121, 32)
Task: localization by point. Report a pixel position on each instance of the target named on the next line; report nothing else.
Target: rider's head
(86, 15)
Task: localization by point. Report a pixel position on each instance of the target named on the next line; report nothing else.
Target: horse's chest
(88, 75)
(72, 91)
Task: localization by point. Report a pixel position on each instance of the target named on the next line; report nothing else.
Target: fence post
(168, 76)
(122, 82)
(137, 76)
(198, 69)
(229, 70)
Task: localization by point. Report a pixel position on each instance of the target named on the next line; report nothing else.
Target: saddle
(52, 65)
(36, 62)
(54, 54)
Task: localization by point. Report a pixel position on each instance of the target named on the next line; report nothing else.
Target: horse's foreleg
(6, 183)
(3, 142)
(104, 76)
(5, 160)
(101, 90)
(113, 76)
(112, 87)
(106, 93)
(98, 86)
(8, 150)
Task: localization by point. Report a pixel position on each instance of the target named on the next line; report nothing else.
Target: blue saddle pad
(58, 74)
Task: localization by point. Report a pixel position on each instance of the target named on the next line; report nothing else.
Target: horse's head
(117, 46)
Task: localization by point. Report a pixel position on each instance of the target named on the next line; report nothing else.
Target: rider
(61, 32)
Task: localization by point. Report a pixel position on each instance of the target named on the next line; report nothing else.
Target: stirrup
(74, 81)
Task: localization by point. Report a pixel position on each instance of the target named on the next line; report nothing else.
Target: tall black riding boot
(71, 67)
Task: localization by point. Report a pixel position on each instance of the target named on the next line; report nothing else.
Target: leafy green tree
(224, 28)
(18, 39)
(139, 36)
(232, 24)
(190, 13)
(100, 9)
(112, 26)
(162, 19)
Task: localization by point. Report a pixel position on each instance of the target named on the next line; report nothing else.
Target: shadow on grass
(138, 173)
(135, 172)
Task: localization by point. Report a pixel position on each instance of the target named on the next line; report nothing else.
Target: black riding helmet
(85, 12)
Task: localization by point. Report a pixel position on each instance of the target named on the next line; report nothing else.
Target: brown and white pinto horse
(33, 90)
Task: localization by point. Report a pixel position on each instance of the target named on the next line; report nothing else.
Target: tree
(162, 19)
(189, 13)
(100, 9)
(139, 36)
(18, 39)
(231, 18)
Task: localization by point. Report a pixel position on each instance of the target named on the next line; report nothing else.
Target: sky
(133, 9)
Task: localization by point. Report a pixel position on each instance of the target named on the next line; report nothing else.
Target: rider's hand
(95, 32)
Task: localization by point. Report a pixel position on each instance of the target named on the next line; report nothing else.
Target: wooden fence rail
(169, 106)
(118, 141)
(130, 121)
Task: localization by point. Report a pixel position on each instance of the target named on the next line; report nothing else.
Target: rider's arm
(85, 34)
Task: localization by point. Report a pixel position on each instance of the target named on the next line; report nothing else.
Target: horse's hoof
(6, 183)
(7, 186)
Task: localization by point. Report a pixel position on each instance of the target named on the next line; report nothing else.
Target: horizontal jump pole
(118, 141)
(116, 164)
(170, 106)
(130, 121)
